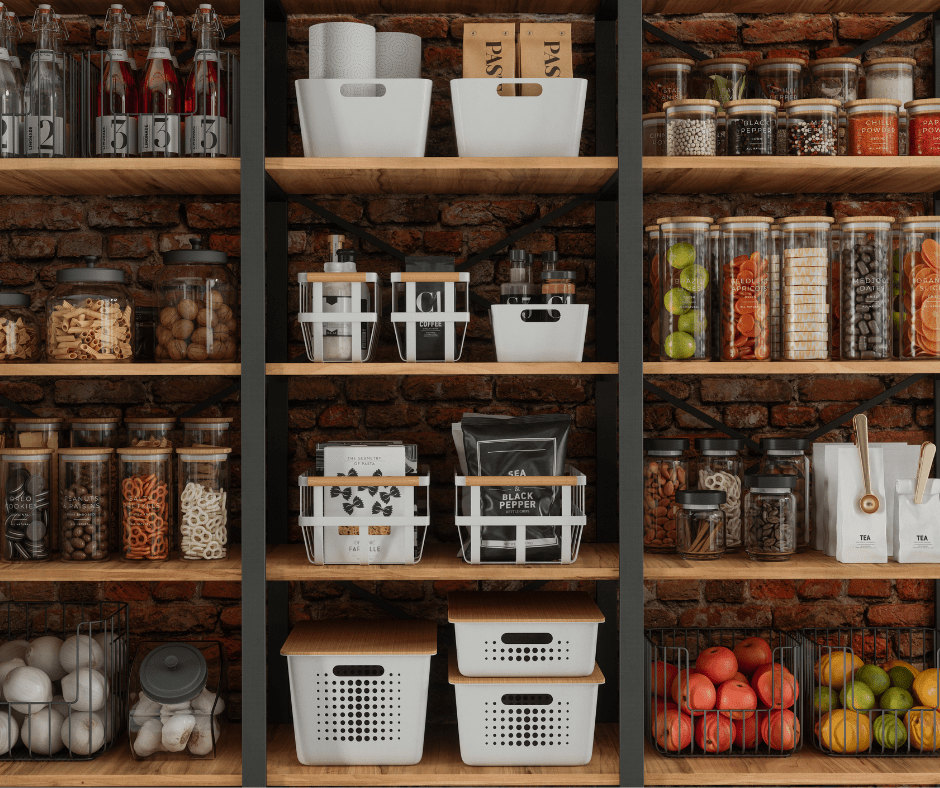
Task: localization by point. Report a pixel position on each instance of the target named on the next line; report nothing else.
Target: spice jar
(745, 288)
(866, 288)
(752, 127)
(903, 141)
(721, 79)
(145, 499)
(652, 302)
(19, 329)
(691, 127)
(38, 432)
(721, 134)
(654, 134)
(666, 79)
(665, 472)
(770, 517)
(155, 432)
(781, 78)
(206, 431)
(90, 316)
(836, 78)
(923, 138)
(700, 524)
(920, 287)
(685, 288)
(85, 498)
(203, 504)
(804, 288)
(812, 127)
(106, 433)
(890, 78)
(719, 467)
(28, 530)
(197, 299)
(791, 456)
(872, 127)
(842, 143)
(776, 333)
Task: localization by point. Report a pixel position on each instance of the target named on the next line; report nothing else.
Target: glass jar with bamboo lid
(146, 499)
(155, 432)
(203, 503)
(206, 431)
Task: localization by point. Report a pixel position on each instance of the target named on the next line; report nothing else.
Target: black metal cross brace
(232, 388)
(378, 601)
(673, 41)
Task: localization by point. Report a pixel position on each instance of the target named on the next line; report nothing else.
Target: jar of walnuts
(197, 303)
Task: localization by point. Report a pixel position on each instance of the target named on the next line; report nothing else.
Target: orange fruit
(927, 688)
(923, 724)
(898, 663)
(930, 251)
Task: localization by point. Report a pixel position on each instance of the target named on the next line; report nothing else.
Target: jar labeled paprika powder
(745, 288)
(872, 127)
(923, 127)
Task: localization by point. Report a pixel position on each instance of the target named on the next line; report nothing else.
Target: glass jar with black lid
(790, 456)
(20, 333)
(770, 516)
(700, 524)
(665, 472)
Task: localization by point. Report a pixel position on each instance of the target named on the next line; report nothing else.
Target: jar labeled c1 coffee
(923, 127)
(872, 127)
(665, 472)
(654, 134)
(745, 288)
(812, 127)
(691, 127)
(85, 504)
(866, 288)
(752, 127)
(770, 529)
(666, 79)
(700, 524)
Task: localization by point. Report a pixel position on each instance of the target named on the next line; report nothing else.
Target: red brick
(819, 615)
(788, 27)
(678, 590)
(831, 412)
(687, 421)
(311, 389)
(345, 209)
(925, 416)
(423, 26)
(914, 614)
(839, 389)
(170, 242)
(576, 244)
(230, 244)
(582, 216)
(174, 617)
(659, 618)
(20, 391)
(81, 390)
(792, 415)
(296, 241)
(130, 246)
(458, 387)
(726, 590)
(657, 417)
(15, 275)
(744, 390)
(401, 589)
(837, 51)
(889, 416)
(586, 417)
(443, 587)
(402, 210)
(32, 247)
(898, 208)
(476, 212)
(219, 589)
(864, 27)
(678, 389)
(130, 213)
(735, 616)
(396, 415)
(880, 588)
(443, 241)
(910, 590)
(187, 389)
(40, 216)
(542, 389)
(370, 389)
(213, 215)
(174, 591)
(339, 416)
(744, 417)
(442, 57)
(819, 589)
(785, 52)
(79, 244)
(298, 25)
(772, 589)
(700, 31)
(231, 618)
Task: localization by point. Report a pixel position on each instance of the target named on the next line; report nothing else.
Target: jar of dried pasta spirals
(146, 503)
(203, 503)
(719, 467)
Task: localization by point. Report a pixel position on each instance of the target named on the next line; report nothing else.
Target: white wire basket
(566, 527)
(525, 721)
(522, 334)
(358, 324)
(438, 308)
(369, 539)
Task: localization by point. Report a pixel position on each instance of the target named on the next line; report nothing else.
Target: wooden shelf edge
(309, 369)
(116, 570)
(894, 367)
(92, 369)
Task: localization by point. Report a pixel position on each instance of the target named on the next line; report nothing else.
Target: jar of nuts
(19, 329)
(197, 301)
(665, 471)
(86, 492)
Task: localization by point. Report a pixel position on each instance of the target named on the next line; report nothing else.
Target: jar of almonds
(665, 472)
(197, 302)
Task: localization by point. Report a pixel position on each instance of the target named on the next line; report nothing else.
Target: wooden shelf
(747, 368)
(466, 7)
(25, 8)
(104, 369)
(442, 175)
(118, 176)
(808, 565)
(787, 6)
(118, 767)
(790, 174)
(807, 767)
(441, 562)
(457, 368)
(441, 765)
(116, 570)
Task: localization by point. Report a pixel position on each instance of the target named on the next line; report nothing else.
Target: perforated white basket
(519, 338)
(409, 322)
(363, 326)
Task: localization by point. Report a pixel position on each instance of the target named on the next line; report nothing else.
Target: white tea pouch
(901, 460)
(918, 534)
(860, 538)
(830, 472)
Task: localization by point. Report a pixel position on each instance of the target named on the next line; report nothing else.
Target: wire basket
(832, 655)
(340, 335)
(107, 622)
(431, 310)
(678, 649)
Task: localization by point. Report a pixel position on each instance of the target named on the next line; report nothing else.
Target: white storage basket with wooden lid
(359, 690)
(524, 633)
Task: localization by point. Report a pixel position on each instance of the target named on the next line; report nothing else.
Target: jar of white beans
(203, 503)
(719, 467)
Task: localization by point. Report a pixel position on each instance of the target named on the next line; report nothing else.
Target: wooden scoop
(869, 502)
(927, 452)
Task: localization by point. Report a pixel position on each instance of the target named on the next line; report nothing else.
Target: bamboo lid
(922, 102)
(150, 420)
(650, 228)
(669, 61)
(85, 451)
(817, 102)
(145, 451)
(878, 61)
(807, 219)
(751, 103)
(684, 220)
(95, 422)
(780, 61)
(203, 451)
(864, 219)
(725, 61)
(654, 116)
(37, 420)
(474, 607)
(207, 419)
(360, 637)
(920, 219)
(870, 102)
(692, 103)
(454, 676)
(745, 219)
(835, 61)
(26, 452)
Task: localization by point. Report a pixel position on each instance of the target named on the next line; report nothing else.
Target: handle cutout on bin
(355, 90)
(527, 700)
(532, 89)
(527, 638)
(358, 670)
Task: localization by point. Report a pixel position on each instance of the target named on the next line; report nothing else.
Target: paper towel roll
(397, 56)
(342, 50)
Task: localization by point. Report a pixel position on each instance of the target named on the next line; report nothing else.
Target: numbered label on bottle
(160, 134)
(11, 136)
(45, 135)
(206, 135)
(116, 135)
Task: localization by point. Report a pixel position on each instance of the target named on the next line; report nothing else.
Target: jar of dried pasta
(203, 503)
(20, 333)
(145, 498)
(90, 315)
(205, 431)
(150, 432)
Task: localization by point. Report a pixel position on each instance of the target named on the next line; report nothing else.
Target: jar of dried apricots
(665, 471)
(146, 501)
(745, 288)
(920, 287)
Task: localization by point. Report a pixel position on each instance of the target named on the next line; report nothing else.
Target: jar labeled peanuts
(85, 498)
(150, 432)
(700, 524)
(20, 333)
(665, 472)
(203, 506)
(666, 79)
(691, 127)
(770, 517)
(812, 127)
(804, 289)
(872, 127)
(866, 288)
(790, 456)
(923, 127)
(206, 431)
(745, 288)
(920, 287)
(719, 467)
(146, 503)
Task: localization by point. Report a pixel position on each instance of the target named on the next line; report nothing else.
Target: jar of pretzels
(197, 302)
(85, 496)
(203, 503)
(145, 498)
(665, 472)
(20, 332)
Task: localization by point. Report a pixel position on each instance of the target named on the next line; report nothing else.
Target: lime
(897, 699)
(693, 322)
(897, 322)
(694, 278)
(889, 731)
(876, 678)
(680, 255)
(901, 677)
(825, 700)
(679, 345)
(677, 301)
(857, 695)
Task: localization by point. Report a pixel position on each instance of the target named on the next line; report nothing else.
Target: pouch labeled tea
(430, 343)
(918, 524)
(860, 538)
(489, 51)
(544, 53)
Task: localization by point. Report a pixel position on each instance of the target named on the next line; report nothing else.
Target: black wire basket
(678, 649)
(842, 725)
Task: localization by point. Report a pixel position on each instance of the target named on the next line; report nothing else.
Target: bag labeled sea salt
(860, 538)
(918, 524)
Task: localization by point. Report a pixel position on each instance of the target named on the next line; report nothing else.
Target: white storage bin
(519, 339)
(525, 721)
(524, 633)
(335, 122)
(489, 124)
(378, 539)
(335, 665)
(566, 527)
(363, 325)
(407, 322)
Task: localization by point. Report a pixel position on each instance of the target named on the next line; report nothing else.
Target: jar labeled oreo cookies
(770, 517)
(85, 503)
(865, 288)
(665, 472)
(26, 475)
(203, 503)
(145, 498)
(691, 127)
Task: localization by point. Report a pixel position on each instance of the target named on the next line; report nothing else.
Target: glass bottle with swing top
(117, 94)
(160, 132)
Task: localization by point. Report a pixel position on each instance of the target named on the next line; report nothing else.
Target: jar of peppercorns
(665, 79)
(872, 127)
(665, 472)
(812, 127)
(923, 127)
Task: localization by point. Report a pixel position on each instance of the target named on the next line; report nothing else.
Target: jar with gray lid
(700, 524)
(770, 517)
(666, 470)
(790, 457)
(719, 467)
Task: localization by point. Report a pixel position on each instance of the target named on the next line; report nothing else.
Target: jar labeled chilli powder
(923, 127)
(872, 127)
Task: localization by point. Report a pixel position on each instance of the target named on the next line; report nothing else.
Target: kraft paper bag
(489, 51)
(918, 525)
(544, 52)
(860, 538)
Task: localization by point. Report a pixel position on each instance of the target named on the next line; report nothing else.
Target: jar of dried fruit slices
(745, 288)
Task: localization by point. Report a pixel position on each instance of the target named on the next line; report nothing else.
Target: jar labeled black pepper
(691, 127)
(86, 499)
(719, 467)
(865, 288)
(665, 472)
(28, 530)
(752, 127)
(770, 517)
(812, 127)
(790, 457)
(700, 524)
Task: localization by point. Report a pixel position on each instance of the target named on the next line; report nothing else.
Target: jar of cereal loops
(85, 496)
(719, 467)
(203, 504)
(150, 432)
(146, 503)
(665, 472)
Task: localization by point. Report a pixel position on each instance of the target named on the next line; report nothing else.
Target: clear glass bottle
(10, 33)
(520, 289)
(203, 503)
(665, 472)
(20, 330)
(721, 79)
(836, 78)
(804, 290)
(558, 285)
(206, 431)
(782, 79)
(160, 132)
(146, 479)
(770, 527)
(117, 95)
(890, 78)
(923, 137)
(745, 288)
(812, 127)
(790, 456)
(872, 127)
(338, 297)
(685, 288)
(700, 524)
(85, 504)
(654, 134)
(28, 522)
(752, 127)
(866, 288)
(46, 104)
(691, 127)
(920, 287)
(206, 96)
(11, 96)
(150, 432)
(666, 79)
(652, 300)
(719, 467)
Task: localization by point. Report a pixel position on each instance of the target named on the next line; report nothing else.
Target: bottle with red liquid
(117, 95)
(159, 131)
(206, 104)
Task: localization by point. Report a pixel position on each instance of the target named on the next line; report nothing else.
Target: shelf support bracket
(673, 41)
(380, 603)
(16, 407)
(232, 388)
(861, 49)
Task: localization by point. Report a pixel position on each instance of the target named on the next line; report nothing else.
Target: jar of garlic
(197, 301)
